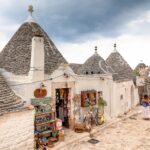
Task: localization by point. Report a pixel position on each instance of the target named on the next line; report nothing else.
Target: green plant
(136, 72)
(102, 102)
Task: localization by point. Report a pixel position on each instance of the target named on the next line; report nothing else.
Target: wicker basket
(79, 127)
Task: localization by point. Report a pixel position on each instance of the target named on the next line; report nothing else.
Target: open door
(62, 103)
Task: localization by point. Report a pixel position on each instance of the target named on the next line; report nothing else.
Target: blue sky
(76, 26)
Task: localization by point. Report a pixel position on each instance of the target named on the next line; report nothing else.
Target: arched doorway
(132, 97)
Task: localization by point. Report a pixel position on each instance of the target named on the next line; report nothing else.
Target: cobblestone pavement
(132, 133)
(129, 134)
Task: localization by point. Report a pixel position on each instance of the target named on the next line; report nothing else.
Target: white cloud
(132, 48)
(133, 44)
(6, 30)
(139, 25)
(141, 19)
(5, 3)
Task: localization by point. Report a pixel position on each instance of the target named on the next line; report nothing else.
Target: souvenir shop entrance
(62, 103)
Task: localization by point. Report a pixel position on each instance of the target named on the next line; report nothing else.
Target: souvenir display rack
(45, 121)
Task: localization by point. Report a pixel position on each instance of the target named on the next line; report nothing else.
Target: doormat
(93, 141)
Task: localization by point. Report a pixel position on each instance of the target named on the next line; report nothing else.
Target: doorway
(62, 103)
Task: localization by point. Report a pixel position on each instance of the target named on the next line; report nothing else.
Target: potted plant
(101, 104)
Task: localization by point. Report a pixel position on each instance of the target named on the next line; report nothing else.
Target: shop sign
(38, 101)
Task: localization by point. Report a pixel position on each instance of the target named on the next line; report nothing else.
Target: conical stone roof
(16, 55)
(140, 65)
(8, 100)
(75, 67)
(95, 65)
(120, 66)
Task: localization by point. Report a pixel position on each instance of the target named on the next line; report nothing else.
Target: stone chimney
(37, 58)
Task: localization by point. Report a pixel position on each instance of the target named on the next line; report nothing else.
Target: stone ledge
(17, 110)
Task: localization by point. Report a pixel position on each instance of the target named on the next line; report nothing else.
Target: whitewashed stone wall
(125, 97)
(17, 131)
(24, 87)
(112, 91)
(37, 59)
(98, 83)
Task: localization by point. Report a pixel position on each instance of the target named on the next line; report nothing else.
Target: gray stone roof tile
(140, 65)
(16, 55)
(8, 99)
(95, 65)
(75, 67)
(122, 69)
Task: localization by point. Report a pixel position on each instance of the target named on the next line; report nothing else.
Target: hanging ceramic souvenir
(61, 92)
(59, 124)
(68, 105)
(69, 112)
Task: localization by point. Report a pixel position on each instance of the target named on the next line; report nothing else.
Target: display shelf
(44, 132)
(48, 122)
(43, 114)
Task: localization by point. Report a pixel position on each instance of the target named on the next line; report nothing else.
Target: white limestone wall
(37, 59)
(136, 95)
(17, 131)
(112, 91)
(104, 84)
(125, 97)
(82, 83)
(16, 82)
(30, 88)
(24, 87)
(119, 99)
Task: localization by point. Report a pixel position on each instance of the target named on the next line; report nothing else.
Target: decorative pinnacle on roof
(95, 49)
(30, 10)
(115, 50)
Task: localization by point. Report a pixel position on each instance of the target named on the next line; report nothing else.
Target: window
(88, 98)
(121, 97)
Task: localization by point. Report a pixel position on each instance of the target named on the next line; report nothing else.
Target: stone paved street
(132, 133)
